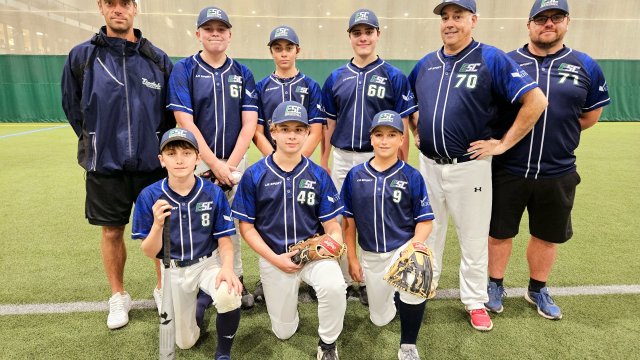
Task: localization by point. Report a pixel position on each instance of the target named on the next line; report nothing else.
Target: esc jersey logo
(306, 194)
(377, 87)
(467, 76)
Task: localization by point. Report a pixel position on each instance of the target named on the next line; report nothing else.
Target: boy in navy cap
(352, 95)
(283, 199)
(213, 96)
(386, 201)
(201, 248)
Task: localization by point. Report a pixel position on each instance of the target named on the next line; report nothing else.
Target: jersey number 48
(306, 197)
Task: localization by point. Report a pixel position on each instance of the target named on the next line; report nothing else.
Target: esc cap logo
(545, 3)
(386, 117)
(362, 16)
(177, 133)
(281, 32)
(214, 13)
(293, 110)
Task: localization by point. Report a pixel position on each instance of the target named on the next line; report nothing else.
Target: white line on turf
(33, 131)
(30, 309)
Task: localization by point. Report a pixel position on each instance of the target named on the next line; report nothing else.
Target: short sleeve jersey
(458, 96)
(273, 91)
(386, 206)
(352, 96)
(574, 83)
(216, 97)
(286, 207)
(197, 219)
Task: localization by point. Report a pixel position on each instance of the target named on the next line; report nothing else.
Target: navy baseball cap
(290, 111)
(176, 134)
(387, 118)
(212, 13)
(465, 4)
(283, 32)
(544, 5)
(363, 16)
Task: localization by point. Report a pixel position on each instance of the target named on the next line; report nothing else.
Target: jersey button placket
(289, 187)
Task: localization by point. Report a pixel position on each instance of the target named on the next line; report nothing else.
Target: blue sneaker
(496, 293)
(543, 301)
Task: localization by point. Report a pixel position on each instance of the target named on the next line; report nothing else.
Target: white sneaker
(157, 296)
(119, 306)
(408, 352)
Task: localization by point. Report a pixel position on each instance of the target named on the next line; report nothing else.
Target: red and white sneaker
(480, 319)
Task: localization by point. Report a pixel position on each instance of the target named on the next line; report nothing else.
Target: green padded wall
(30, 85)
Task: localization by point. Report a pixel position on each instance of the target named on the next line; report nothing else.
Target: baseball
(235, 177)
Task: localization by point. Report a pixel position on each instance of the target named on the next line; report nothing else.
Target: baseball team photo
(442, 179)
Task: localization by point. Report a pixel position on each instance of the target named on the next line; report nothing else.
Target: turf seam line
(74, 307)
(33, 131)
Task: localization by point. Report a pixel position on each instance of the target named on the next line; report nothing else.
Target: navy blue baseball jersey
(386, 206)
(216, 97)
(458, 96)
(352, 96)
(573, 82)
(286, 207)
(272, 91)
(197, 220)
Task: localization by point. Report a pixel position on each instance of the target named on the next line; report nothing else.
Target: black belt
(185, 263)
(451, 161)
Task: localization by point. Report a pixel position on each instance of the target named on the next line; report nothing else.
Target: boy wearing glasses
(539, 173)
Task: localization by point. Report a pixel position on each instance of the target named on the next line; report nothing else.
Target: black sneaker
(247, 301)
(352, 292)
(327, 352)
(364, 299)
(258, 293)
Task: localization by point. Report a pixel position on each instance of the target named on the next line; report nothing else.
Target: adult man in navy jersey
(458, 88)
(539, 173)
(287, 83)
(352, 95)
(213, 96)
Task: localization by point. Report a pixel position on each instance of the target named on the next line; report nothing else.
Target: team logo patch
(204, 206)
(362, 16)
(399, 184)
(375, 79)
(408, 97)
(306, 184)
(519, 74)
(469, 67)
(282, 32)
(214, 13)
(546, 3)
(569, 68)
(237, 79)
(302, 90)
(151, 84)
(177, 132)
(603, 88)
(424, 202)
(293, 110)
(227, 218)
(386, 117)
(333, 198)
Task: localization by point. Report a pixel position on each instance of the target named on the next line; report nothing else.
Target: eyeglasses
(556, 19)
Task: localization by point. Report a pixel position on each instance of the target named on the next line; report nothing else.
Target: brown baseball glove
(413, 271)
(317, 247)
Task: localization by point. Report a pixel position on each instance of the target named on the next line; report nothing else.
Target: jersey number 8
(308, 198)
